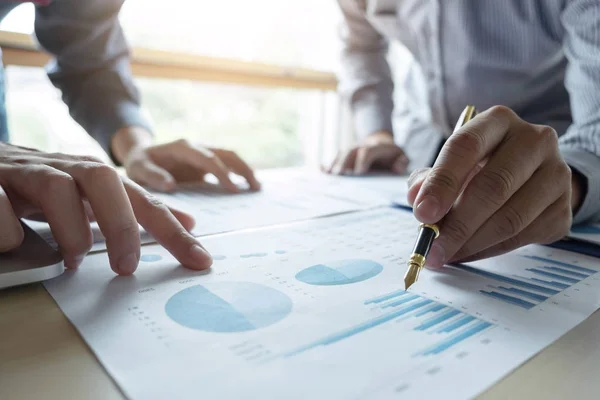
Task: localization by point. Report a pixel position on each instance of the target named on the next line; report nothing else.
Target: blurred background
(278, 109)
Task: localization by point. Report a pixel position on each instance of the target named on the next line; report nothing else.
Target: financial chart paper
(316, 310)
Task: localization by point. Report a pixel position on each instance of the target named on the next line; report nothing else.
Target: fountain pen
(429, 232)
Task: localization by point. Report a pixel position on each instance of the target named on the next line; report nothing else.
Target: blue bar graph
(430, 323)
(403, 300)
(552, 275)
(509, 299)
(434, 308)
(386, 297)
(360, 328)
(561, 264)
(456, 324)
(454, 340)
(505, 279)
(549, 283)
(523, 293)
(564, 271)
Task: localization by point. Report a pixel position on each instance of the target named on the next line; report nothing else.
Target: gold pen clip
(467, 115)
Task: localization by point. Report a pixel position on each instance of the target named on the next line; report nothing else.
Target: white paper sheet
(286, 196)
(316, 310)
(290, 194)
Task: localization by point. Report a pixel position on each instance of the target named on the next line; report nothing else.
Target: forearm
(366, 82)
(91, 66)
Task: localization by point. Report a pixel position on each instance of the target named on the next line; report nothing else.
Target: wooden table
(42, 356)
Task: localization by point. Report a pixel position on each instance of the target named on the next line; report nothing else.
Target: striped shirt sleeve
(580, 145)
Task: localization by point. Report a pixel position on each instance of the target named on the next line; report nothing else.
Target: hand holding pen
(499, 183)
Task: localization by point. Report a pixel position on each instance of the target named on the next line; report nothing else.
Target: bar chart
(415, 314)
(533, 285)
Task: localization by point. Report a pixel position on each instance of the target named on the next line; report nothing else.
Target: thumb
(147, 173)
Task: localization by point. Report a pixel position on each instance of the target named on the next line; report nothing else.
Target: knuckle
(457, 231)
(509, 222)
(443, 179)
(500, 112)
(494, 186)
(467, 142)
(90, 159)
(547, 136)
(99, 171)
(55, 182)
(154, 204)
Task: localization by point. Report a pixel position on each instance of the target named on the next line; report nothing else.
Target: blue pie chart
(342, 272)
(228, 307)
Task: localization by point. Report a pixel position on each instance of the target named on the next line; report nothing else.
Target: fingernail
(428, 209)
(73, 262)
(168, 184)
(128, 264)
(436, 256)
(200, 255)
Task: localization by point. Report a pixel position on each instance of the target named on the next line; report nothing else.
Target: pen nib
(411, 276)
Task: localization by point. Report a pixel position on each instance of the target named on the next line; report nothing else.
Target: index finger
(237, 165)
(208, 161)
(463, 151)
(104, 191)
(158, 220)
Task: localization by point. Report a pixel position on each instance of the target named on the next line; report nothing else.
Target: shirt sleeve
(365, 79)
(580, 145)
(91, 65)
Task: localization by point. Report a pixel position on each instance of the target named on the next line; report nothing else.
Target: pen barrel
(424, 240)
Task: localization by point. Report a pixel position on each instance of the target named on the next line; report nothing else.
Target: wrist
(379, 137)
(129, 139)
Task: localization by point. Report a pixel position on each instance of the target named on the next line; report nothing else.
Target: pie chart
(342, 272)
(228, 307)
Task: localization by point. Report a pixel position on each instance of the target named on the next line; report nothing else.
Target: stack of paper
(316, 310)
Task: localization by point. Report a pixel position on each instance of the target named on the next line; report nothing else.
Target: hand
(161, 166)
(61, 187)
(377, 151)
(499, 183)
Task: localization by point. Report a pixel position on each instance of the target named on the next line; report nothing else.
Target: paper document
(392, 188)
(286, 196)
(316, 310)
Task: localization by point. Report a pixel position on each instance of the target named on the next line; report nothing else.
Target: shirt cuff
(370, 117)
(124, 113)
(588, 165)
